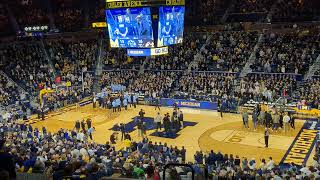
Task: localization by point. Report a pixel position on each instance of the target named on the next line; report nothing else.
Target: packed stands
(25, 63)
(309, 92)
(228, 51)
(9, 93)
(68, 15)
(183, 54)
(206, 12)
(30, 12)
(5, 25)
(286, 53)
(296, 10)
(250, 10)
(267, 87)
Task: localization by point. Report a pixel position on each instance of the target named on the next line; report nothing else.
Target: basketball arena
(167, 89)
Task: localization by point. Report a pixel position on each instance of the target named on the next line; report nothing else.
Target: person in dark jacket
(77, 125)
(6, 160)
(83, 126)
(89, 123)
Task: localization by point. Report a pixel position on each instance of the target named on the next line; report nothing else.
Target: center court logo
(238, 137)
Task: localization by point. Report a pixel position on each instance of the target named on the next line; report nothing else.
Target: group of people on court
(170, 124)
(84, 128)
(121, 100)
(272, 118)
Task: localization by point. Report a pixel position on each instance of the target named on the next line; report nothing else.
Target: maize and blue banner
(189, 103)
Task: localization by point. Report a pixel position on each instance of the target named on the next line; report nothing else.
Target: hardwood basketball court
(208, 132)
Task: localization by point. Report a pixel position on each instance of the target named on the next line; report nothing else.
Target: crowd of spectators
(296, 10)
(5, 25)
(123, 78)
(68, 15)
(249, 10)
(154, 83)
(70, 154)
(179, 56)
(115, 58)
(9, 93)
(267, 87)
(25, 64)
(309, 92)
(205, 12)
(70, 59)
(196, 85)
(228, 51)
(286, 53)
(252, 6)
(97, 14)
(30, 12)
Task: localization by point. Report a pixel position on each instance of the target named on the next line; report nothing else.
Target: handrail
(275, 73)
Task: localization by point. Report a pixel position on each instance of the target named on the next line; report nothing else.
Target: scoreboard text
(111, 4)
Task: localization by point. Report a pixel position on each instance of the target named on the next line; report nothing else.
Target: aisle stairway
(246, 70)
(314, 68)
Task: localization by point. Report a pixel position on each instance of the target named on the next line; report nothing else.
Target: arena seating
(296, 10)
(8, 92)
(183, 55)
(5, 27)
(286, 53)
(267, 87)
(25, 64)
(228, 51)
(30, 12)
(309, 92)
(68, 15)
(282, 60)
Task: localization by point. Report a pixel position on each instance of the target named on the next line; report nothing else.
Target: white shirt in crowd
(286, 119)
(80, 136)
(270, 164)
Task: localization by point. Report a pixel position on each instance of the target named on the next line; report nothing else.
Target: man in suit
(266, 137)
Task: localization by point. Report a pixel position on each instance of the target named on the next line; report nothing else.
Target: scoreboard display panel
(171, 25)
(130, 27)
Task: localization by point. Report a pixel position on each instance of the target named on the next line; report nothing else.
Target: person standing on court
(255, 119)
(89, 122)
(122, 129)
(94, 101)
(83, 126)
(245, 118)
(90, 131)
(114, 106)
(77, 126)
(276, 121)
(139, 127)
(166, 123)
(125, 103)
(141, 114)
(157, 121)
(286, 120)
(292, 121)
(262, 117)
(180, 118)
(268, 118)
(266, 137)
(135, 100)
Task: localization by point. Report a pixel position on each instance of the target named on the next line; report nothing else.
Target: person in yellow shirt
(127, 144)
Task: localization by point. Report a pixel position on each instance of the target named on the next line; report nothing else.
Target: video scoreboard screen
(171, 25)
(130, 27)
